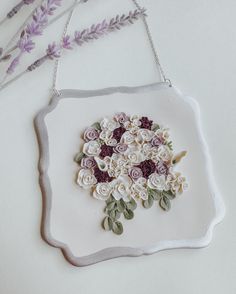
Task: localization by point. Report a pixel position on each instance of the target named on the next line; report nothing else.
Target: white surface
(197, 44)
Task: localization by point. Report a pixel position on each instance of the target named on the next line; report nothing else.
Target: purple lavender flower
(135, 173)
(27, 2)
(90, 134)
(121, 148)
(25, 44)
(88, 162)
(121, 117)
(67, 42)
(13, 65)
(53, 51)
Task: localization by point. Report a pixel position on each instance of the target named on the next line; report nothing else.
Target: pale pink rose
(91, 134)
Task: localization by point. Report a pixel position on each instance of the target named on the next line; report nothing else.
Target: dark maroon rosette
(106, 151)
(148, 167)
(101, 176)
(146, 123)
(117, 133)
(162, 168)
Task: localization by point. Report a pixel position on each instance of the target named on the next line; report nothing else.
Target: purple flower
(135, 173)
(67, 42)
(121, 148)
(101, 176)
(53, 51)
(146, 123)
(106, 151)
(88, 162)
(13, 65)
(25, 44)
(156, 141)
(121, 117)
(90, 134)
(162, 168)
(148, 167)
(117, 133)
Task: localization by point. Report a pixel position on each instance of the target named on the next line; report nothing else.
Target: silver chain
(156, 57)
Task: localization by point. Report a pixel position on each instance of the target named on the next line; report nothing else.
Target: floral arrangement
(126, 159)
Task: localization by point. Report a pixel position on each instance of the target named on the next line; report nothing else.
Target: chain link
(156, 57)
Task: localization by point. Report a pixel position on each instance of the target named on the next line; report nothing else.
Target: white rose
(109, 124)
(91, 148)
(134, 155)
(138, 189)
(86, 179)
(121, 188)
(102, 191)
(105, 135)
(165, 153)
(144, 135)
(157, 182)
(135, 121)
(101, 163)
(127, 138)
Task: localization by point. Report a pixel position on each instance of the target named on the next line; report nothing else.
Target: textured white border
(114, 252)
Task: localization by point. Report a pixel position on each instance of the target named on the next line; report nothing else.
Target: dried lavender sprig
(35, 28)
(16, 9)
(54, 50)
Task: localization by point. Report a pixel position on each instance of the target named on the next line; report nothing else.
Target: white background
(196, 41)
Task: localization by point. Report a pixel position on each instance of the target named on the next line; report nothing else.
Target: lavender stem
(80, 38)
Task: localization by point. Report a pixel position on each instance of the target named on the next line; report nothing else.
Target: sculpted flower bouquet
(127, 159)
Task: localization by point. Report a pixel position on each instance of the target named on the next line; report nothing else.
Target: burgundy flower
(148, 167)
(101, 176)
(156, 141)
(146, 123)
(117, 133)
(106, 151)
(162, 168)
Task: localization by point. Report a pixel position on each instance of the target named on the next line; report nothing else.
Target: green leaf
(117, 228)
(165, 203)
(128, 214)
(169, 195)
(96, 126)
(121, 206)
(132, 205)
(107, 223)
(156, 195)
(111, 206)
(155, 127)
(79, 156)
(117, 214)
(112, 213)
(148, 203)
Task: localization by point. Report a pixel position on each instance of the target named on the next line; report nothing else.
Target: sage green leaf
(109, 200)
(148, 203)
(117, 214)
(112, 213)
(117, 228)
(132, 205)
(155, 127)
(111, 205)
(121, 206)
(79, 156)
(96, 126)
(169, 195)
(107, 223)
(165, 203)
(156, 195)
(128, 214)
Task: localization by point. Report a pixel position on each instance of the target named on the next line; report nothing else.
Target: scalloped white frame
(114, 252)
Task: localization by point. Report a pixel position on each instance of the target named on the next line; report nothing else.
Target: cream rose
(109, 124)
(127, 138)
(91, 148)
(157, 182)
(86, 179)
(164, 153)
(102, 191)
(121, 188)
